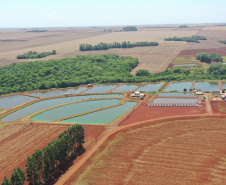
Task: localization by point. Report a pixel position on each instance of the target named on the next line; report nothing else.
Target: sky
(77, 13)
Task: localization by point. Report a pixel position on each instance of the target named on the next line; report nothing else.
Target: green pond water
(125, 88)
(174, 100)
(177, 94)
(100, 89)
(103, 116)
(50, 103)
(223, 85)
(150, 87)
(11, 101)
(206, 86)
(179, 86)
(61, 92)
(73, 109)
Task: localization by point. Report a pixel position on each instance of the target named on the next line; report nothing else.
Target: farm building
(217, 93)
(199, 93)
(137, 94)
(223, 96)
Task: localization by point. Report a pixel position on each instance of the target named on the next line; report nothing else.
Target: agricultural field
(17, 142)
(219, 107)
(66, 42)
(190, 150)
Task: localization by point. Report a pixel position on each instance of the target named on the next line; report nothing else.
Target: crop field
(211, 45)
(17, 142)
(219, 107)
(66, 42)
(186, 151)
(144, 113)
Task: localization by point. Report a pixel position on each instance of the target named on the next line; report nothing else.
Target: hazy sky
(63, 13)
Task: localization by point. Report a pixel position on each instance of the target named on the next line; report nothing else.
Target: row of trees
(37, 31)
(222, 41)
(34, 54)
(212, 57)
(17, 178)
(43, 166)
(129, 28)
(106, 46)
(193, 38)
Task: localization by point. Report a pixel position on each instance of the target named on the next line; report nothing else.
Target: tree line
(212, 57)
(43, 166)
(222, 41)
(34, 54)
(106, 46)
(193, 38)
(129, 28)
(37, 31)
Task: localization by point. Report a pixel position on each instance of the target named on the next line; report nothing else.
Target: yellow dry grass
(154, 59)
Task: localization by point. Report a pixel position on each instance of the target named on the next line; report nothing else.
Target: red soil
(15, 149)
(193, 52)
(184, 151)
(143, 113)
(218, 107)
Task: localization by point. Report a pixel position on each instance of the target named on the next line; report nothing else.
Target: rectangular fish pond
(14, 100)
(179, 86)
(184, 65)
(174, 100)
(100, 89)
(150, 87)
(47, 94)
(37, 106)
(73, 109)
(223, 85)
(206, 86)
(102, 116)
(125, 88)
(177, 94)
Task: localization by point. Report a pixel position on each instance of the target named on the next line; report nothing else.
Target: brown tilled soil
(187, 151)
(218, 107)
(16, 148)
(143, 113)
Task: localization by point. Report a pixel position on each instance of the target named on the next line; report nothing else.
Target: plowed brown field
(184, 151)
(211, 45)
(143, 113)
(218, 107)
(22, 140)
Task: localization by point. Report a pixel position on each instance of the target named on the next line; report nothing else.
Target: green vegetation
(183, 26)
(222, 41)
(193, 38)
(37, 31)
(34, 54)
(45, 166)
(70, 72)
(129, 28)
(106, 46)
(212, 57)
(17, 178)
